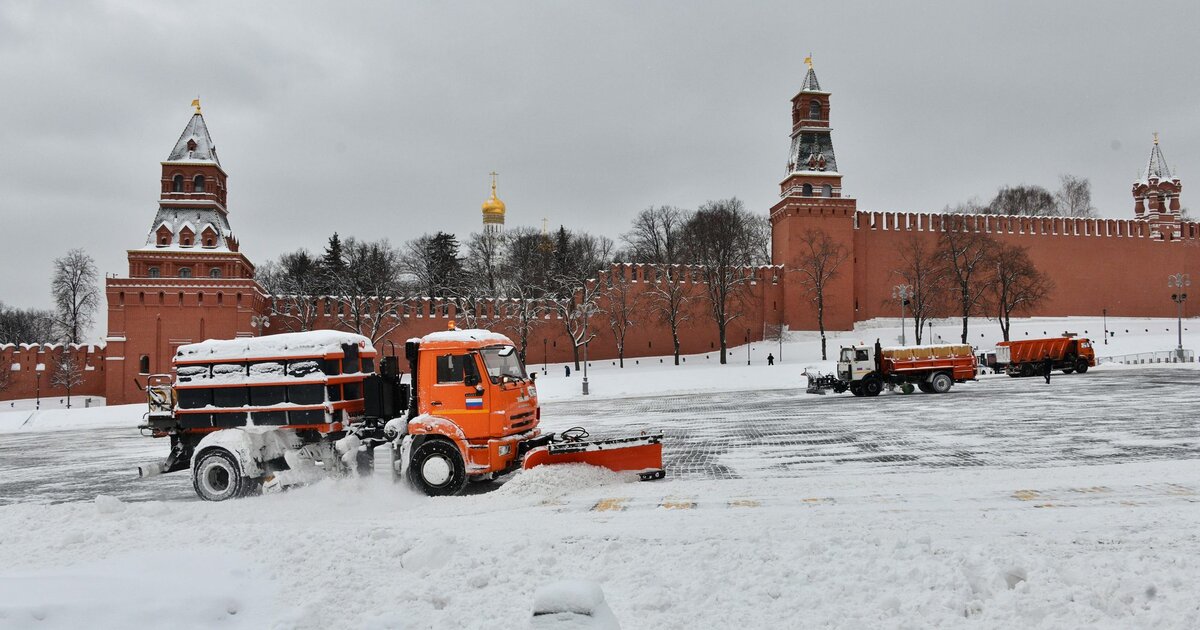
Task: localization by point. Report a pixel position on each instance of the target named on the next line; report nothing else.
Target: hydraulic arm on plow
(274, 411)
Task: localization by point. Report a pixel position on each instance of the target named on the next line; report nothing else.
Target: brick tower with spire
(188, 281)
(1156, 196)
(812, 203)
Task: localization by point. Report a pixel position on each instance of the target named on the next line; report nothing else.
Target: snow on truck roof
(464, 336)
(301, 344)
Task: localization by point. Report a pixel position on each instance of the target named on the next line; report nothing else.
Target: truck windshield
(502, 362)
(847, 354)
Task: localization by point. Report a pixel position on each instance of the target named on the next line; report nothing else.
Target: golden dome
(493, 205)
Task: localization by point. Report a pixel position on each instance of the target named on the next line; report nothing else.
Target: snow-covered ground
(1006, 503)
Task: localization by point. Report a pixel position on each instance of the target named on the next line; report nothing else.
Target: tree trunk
(821, 323)
(675, 341)
(721, 332)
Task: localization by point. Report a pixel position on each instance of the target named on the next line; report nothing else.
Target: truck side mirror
(470, 371)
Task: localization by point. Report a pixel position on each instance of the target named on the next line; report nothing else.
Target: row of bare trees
(1072, 199)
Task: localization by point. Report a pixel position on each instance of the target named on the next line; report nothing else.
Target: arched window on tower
(814, 110)
(144, 365)
(198, 184)
(185, 272)
(177, 183)
(215, 272)
(152, 272)
(807, 190)
(826, 190)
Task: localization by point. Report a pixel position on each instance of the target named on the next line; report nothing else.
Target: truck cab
(471, 393)
(856, 362)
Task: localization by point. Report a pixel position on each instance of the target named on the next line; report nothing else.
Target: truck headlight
(505, 449)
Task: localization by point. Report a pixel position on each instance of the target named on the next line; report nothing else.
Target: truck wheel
(871, 386)
(1081, 365)
(217, 477)
(856, 388)
(923, 386)
(1026, 369)
(437, 469)
(941, 383)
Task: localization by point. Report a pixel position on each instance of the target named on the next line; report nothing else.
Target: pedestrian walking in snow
(568, 369)
(1047, 365)
(770, 359)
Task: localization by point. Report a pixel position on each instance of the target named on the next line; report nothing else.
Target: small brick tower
(188, 281)
(1156, 196)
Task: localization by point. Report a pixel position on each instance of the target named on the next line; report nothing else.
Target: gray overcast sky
(383, 120)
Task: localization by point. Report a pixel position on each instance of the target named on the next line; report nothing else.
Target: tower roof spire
(194, 144)
(810, 78)
(1156, 166)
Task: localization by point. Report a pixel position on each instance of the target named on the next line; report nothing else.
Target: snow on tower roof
(195, 135)
(1156, 167)
(175, 219)
(810, 82)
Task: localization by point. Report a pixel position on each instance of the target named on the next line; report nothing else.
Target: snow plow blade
(639, 453)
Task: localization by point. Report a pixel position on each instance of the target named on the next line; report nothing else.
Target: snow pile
(301, 344)
(76, 418)
(572, 604)
(549, 482)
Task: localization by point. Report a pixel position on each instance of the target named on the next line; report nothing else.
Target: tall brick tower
(188, 281)
(811, 202)
(1156, 196)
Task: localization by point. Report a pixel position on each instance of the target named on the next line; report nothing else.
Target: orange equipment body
(956, 359)
(1025, 356)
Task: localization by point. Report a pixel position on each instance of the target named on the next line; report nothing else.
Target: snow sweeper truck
(264, 413)
(866, 370)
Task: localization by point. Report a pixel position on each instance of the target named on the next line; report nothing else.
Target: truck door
(458, 392)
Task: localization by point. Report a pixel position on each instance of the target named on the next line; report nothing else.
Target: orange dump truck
(866, 370)
(1025, 357)
(270, 412)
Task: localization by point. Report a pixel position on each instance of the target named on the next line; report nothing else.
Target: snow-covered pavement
(1005, 503)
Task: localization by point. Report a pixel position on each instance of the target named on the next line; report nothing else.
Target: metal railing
(1143, 358)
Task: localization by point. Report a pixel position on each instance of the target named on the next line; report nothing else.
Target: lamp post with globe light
(902, 292)
(260, 322)
(1179, 281)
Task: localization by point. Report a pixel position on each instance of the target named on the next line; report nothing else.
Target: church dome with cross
(493, 210)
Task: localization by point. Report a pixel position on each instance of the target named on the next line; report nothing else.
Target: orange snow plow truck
(265, 413)
(1025, 357)
(867, 370)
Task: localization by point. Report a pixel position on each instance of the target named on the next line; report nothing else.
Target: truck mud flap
(640, 453)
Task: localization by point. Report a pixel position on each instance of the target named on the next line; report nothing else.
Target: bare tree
(760, 240)
(295, 284)
(967, 256)
(1019, 285)
(656, 236)
(432, 264)
(819, 259)
(525, 269)
(620, 304)
(482, 266)
(669, 297)
(922, 270)
(369, 295)
(76, 294)
(1074, 197)
(720, 242)
(26, 325)
(1033, 201)
(67, 374)
(571, 293)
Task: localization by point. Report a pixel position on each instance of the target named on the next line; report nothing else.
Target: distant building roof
(810, 82)
(1156, 167)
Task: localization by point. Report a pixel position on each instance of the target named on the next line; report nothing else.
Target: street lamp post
(38, 403)
(902, 292)
(1179, 281)
(545, 356)
(259, 322)
(1104, 312)
(585, 310)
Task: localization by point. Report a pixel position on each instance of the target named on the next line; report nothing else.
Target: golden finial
(1155, 137)
(196, 104)
(493, 174)
(808, 61)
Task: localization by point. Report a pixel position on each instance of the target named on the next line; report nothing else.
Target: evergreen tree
(445, 267)
(332, 266)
